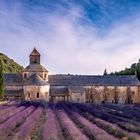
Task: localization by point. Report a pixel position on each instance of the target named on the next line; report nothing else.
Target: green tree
(1, 81)
(105, 72)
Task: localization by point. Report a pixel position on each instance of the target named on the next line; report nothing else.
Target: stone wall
(95, 94)
(78, 97)
(112, 94)
(27, 75)
(13, 92)
(92, 94)
(135, 94)
(36, 92)
(121, 92)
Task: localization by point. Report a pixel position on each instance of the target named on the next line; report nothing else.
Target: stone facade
(113, 94)
(34, 83)
(33, 92)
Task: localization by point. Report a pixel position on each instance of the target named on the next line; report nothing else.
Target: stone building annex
(34, 83)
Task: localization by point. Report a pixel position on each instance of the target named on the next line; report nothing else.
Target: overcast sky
(73, 36)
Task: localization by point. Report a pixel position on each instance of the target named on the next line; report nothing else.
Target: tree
(1, 81)
(105, 72)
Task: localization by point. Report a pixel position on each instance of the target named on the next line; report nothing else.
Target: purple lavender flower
(10, 112)
(27, 128)
(50, 130)
(89, 128)
(13, 122)
(69, 128)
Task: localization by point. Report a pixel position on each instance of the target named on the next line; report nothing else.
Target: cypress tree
(1, 81)
(105, 72)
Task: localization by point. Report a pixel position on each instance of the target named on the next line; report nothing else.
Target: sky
(73, 36)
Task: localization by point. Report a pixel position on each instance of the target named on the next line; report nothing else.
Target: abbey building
(34, 83)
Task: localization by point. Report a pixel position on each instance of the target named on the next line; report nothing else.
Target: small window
(45, 75)
(34, 62)
(37, 95)
(29, 95)
(25, 75)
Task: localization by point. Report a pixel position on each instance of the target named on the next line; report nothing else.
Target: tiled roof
(77, 89)
(73, 80)
(13, 92)
(35, 80)
(35, 52)
(35, 68)
(12, 79)
(87, 80)
(58, 90)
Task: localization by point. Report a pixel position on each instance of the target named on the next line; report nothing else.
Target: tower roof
(35, 68)
(35, 52)
(35, 80)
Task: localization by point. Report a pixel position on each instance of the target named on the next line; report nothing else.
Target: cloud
(68, 40)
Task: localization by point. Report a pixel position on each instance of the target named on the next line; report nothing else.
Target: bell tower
(34, 57)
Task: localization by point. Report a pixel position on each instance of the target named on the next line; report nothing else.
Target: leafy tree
(9, 65)
(1, 81)
(133, 70)
(105, 72)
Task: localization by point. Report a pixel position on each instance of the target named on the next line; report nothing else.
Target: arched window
(25, 75)
(29, 95)
(45, 75)
(37, 95)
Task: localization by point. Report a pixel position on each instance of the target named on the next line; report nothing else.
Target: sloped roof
(77, 89)
(12, 79)
(58, 90)
(13, 92)
(87, 80)
(73, 80)
(35, 52)
(35, 80)
(35, 68)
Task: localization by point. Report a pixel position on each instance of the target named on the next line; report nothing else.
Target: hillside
(134, 69)
(9, 64)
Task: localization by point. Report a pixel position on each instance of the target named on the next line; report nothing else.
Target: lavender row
(27, 129)
(92, 131)
(123, 123)
(69, 129)
(11, 112)
(125, 112)
(50, 128)
(7, 110)
(15, 121)
(3, 107)
(113, 129)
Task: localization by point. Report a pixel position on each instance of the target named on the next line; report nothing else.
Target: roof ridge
(35, 52)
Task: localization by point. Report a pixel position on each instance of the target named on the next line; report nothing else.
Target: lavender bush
(27, 128)
(3, 107)
(113, 129)
(122, 122)
(127, 111)
(14, 122)
(70, 121)
(49, 129)
(89, 128)
(7, 110)
(10, 112)
(69, 129)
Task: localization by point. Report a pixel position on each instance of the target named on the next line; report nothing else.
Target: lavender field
(69, 121)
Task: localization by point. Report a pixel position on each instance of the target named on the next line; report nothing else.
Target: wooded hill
(133, 70)
(10, 65)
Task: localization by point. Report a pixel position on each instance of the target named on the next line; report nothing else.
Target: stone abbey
(34, 83)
